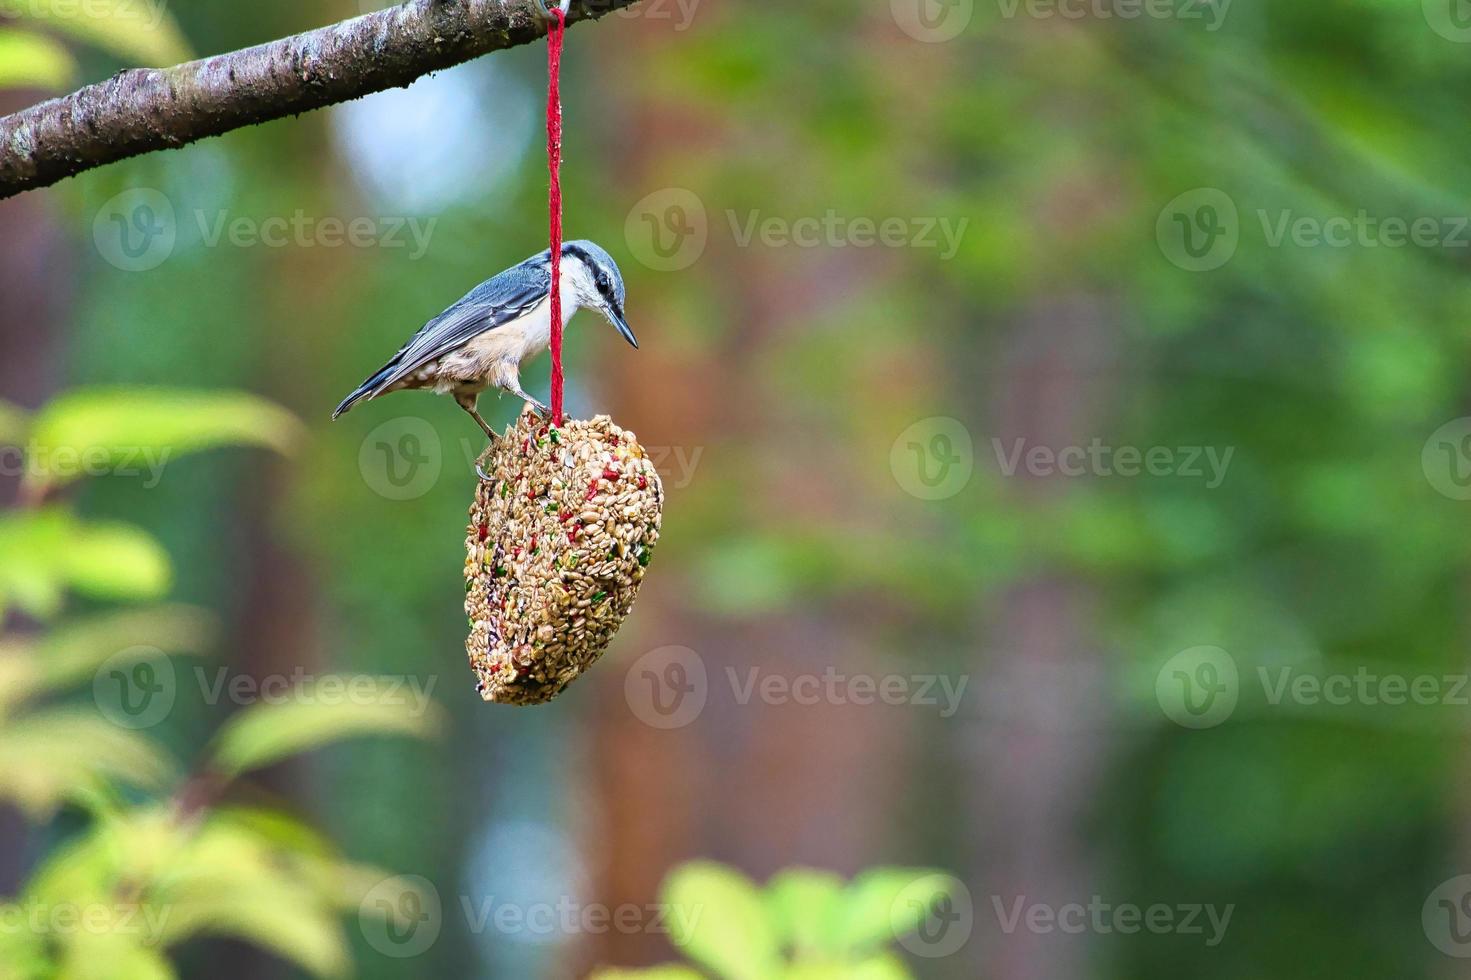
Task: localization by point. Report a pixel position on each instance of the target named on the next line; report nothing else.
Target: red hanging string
(554, 164)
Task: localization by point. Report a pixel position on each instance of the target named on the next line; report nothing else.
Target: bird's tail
(367, 389)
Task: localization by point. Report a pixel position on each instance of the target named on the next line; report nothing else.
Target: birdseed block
(560, 535)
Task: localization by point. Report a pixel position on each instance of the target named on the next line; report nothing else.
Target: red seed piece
(610, 474)
(643, 482)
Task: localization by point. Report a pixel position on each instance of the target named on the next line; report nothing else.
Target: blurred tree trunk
(758, 786)
(1042, 744)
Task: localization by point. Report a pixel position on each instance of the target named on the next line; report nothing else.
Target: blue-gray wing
(495, 302)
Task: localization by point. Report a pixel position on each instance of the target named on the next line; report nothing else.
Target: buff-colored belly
(493, 358)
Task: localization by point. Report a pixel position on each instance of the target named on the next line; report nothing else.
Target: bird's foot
(539, 408)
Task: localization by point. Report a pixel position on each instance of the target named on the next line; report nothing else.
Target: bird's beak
(615, 317)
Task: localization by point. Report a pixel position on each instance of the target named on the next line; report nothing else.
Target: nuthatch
(483, 339)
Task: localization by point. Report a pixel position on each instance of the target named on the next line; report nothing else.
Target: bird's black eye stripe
(600, 280)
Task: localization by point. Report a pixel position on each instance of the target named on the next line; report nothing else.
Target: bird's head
(599, 284)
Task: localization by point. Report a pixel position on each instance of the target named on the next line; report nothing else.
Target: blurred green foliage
(33, 52)
(804, 925)
(161, 858)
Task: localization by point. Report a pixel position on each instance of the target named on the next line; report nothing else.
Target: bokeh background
(1063, 414)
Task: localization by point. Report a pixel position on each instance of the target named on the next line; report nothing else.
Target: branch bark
(142, 110)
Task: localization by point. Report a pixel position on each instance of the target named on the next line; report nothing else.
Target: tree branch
(142, 110)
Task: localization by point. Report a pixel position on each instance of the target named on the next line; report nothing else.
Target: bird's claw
(484, 477)
(540, 409)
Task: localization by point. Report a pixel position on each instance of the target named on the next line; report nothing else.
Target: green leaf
(717, 917)
(144, 429)
(44, 552)
(274, 913)
(117, 561)
(47, 758)
(232, 879)
(332, 708)
(885, 903)
(71, 653)
(887, 966)
(143, 33)
(23, 955)
(806, 907)
(31, 61)
(111, 956)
